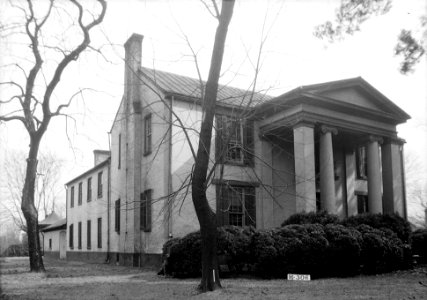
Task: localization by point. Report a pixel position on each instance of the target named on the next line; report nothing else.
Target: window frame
(361, 163)
(236, 148)
(119, 152)
(146, 210)
(79, 235)
(71, 236)
(117, 216)
(80, 195)
(89, 189)
(72, 197)
(99, 233)
(99, 185)
(148, 134)
(89, 234)
(247, 194)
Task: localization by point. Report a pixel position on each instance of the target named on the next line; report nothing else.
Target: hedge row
(419, 244)
(321, 249)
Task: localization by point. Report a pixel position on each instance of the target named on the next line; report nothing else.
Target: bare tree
(205, 215)
(29, 94)
(47, 186)
(352, 13)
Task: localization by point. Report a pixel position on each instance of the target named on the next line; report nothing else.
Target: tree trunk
(207, 218)
(29, 210)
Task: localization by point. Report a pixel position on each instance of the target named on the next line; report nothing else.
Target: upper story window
(236, 205)
(361, 163)
(234, 143)
(80, 193)
(89, 189)
(72, 197)
(147, 134)
(100, 184)
(120, 152)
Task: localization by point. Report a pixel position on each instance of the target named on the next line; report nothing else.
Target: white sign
(304, 277)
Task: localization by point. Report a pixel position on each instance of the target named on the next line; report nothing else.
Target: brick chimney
(133, 53)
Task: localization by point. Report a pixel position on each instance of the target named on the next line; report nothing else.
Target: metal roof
(60, 224)
(179, 85)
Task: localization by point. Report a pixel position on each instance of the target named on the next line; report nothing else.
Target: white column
(305, 186)
(393, 198)
(374, 176)
(326, 165)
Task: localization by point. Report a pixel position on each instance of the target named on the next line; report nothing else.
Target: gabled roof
(178, 85)
(98, 166)
(323, 92)
(50, 219)
(60, 224)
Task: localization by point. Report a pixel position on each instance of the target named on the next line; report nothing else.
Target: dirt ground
(78, 280)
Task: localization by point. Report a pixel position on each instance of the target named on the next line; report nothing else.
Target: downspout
(170, 188)
(107, 260)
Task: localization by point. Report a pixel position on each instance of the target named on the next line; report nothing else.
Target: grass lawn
(78, 280)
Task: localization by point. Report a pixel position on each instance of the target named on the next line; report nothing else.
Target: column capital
(325, 129)
(375, 138)
(394, 140)
(304, 124)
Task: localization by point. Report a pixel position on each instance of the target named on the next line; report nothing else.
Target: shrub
(343, 253)
(419, 244)
(290, 249)
(185, 256)
(382, 251)
(322, 217)
(234, 243)
(16, 250)
(391, 222)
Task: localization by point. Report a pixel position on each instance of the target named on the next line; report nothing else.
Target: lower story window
(362, 204)
(236, 205)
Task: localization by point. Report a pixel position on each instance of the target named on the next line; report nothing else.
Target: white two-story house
(330, 146)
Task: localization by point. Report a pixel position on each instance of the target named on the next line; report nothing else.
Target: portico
(347, 156)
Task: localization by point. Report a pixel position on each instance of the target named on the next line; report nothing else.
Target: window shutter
(219, 140)
(148, 210)
(248, 143)
(250, 207)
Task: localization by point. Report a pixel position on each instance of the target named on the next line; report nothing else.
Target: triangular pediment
(357, 93)
(356, 97)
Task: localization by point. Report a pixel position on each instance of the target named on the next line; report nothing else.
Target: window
(236, 205)
(89, 240)
(72, 197)
(119, 158)
(71, 236)
(80, 193)
(79, 237)
(147, 134)
(99, 232)
(50, 244)
(89, 189)
(361, 163)
(117, 215)
(100, 184)
(234, 141)
(146, 210)
(362, 204)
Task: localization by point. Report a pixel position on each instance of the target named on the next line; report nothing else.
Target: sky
(291, 57)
